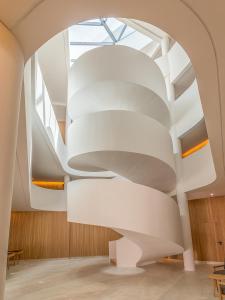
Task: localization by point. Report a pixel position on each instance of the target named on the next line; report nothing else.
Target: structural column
(11, 72)
(188, 257)
(66, 181)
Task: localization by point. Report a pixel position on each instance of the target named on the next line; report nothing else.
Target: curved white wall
(140, 213)
(178, 61)
(118, 95)
(52, 61)
(53, 138)
(163, 64)
(127, 65)
(47, 199)
(121, 123)
(198, 169)
(127, 143)
(187, 110)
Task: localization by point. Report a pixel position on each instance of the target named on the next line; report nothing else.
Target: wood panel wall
(208, 228)
(49, 235)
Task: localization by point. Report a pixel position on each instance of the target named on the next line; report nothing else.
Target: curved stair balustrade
(121, 123)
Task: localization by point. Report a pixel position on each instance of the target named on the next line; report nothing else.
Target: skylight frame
(113, 37)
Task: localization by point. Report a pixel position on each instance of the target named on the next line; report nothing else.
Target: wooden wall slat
(89, 240)
(49, 235)
(40, 234)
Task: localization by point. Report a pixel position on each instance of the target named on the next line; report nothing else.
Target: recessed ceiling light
(211, 194)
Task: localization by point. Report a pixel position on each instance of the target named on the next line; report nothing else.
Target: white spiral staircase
(121, 124)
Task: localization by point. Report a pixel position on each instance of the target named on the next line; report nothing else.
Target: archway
(40, 23)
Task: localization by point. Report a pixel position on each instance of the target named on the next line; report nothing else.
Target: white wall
(127, 143)
(187, 110)
(54, 63)
(178, 61)
(48, 199)
(116, 63)
(198, 169)
(163, 64)
(144, 215)
(118, 95)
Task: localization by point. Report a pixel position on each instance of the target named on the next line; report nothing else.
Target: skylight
(95, 33)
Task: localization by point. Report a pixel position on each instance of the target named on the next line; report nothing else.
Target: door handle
(220, 243)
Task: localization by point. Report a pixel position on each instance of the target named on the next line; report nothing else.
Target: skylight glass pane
(93, 33)
(136, 40)
(113, 24)
(127, 32)
(117, 33)
(85, 33)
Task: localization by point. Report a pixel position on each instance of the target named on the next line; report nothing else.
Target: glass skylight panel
(94, 33)
(128, 31)
(118, 33)
(85, 33)
(113, 24)
(135, 40)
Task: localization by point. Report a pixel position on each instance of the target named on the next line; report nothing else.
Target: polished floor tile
(92, 278)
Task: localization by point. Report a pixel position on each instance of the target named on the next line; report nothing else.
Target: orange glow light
(195, 148)
(55, 185)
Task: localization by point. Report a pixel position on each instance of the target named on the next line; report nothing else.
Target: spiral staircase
(121, 123)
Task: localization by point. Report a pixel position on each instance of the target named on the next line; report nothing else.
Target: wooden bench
(11, 256)
(218, 280)
(14, 255)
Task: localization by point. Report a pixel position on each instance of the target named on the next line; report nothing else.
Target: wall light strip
(195, 148)
(57, 185)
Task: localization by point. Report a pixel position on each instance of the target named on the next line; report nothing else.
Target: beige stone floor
(93, 278)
